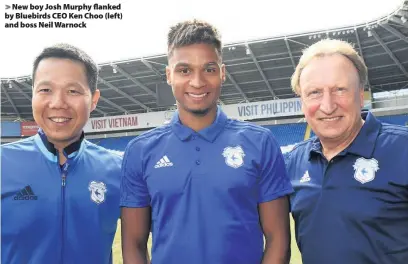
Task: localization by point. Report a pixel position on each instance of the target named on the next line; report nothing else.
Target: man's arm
(274, 216)
(135, 233)
(273, 203)
(135, 206)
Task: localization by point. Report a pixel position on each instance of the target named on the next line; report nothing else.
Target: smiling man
(351, 181)
(59, 192)
(207, 186)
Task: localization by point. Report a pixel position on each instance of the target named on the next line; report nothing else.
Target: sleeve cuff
(276, 195)
(134, 204)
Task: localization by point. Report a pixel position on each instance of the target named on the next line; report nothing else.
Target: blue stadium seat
(114, 143)
(401, 120)
(287, 134)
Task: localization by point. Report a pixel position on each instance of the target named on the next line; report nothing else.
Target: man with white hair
(351, 181)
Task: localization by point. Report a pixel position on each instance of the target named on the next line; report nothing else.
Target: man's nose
(197, 80)
(58, 100)
(328, 103)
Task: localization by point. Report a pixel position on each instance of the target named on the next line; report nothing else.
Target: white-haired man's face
(332, 97)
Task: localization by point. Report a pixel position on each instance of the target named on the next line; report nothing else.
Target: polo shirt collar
(209, 133)
(363, 145)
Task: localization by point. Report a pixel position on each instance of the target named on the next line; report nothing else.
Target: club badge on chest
(98, 190)
(234, 156)
(365, 169)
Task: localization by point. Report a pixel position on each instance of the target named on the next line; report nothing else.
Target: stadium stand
(286, 134)
(257, 70)
(116, 143)
(401, 120)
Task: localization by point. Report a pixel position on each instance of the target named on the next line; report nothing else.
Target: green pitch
(117, 251)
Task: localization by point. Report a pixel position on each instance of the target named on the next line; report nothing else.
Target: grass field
(117, 252)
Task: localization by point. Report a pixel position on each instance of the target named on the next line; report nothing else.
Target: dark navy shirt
(204, 189)
(353, 209)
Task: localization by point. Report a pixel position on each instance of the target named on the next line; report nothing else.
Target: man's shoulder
(298, 150)
(18, 156)
(150, 136)
(247, 127)
(255, 135)
(395, 131)
(92, 147)
(303, 145)
(392, 138)
(26, 144)
(101, 153)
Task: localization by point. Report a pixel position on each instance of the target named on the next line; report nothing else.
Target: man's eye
(73, 92)
(313, 93)
(210, 70)
(44, 90)
(183, 71)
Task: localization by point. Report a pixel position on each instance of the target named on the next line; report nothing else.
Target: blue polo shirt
(204, 189)
(353, 209)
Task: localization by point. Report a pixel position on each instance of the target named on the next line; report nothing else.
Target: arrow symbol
(7, 6)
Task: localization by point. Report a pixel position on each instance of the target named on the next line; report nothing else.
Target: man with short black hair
(208, 186)
(59, 192)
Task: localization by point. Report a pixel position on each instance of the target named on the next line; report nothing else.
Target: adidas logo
(163, 162)
(305, 177)
(26, 194)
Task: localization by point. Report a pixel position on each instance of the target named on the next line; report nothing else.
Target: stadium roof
(257, 70)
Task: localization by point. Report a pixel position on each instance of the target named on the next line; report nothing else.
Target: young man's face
(62, 100)
(332, 97)
(195, 73)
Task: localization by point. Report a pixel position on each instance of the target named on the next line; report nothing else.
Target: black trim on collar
(67, 150)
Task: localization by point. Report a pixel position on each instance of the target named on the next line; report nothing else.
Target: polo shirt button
(198, 162)
(198, 148)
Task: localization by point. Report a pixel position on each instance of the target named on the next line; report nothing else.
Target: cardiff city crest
(365, 169)
(234, 156)
(98, 190)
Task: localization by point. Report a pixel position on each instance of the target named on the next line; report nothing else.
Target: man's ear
(362, 97)
(168, 75)
(95, 98)
(223, 72)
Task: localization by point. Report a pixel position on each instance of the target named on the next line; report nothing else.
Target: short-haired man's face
(195, 73)
(332, 97)
(62, 101)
